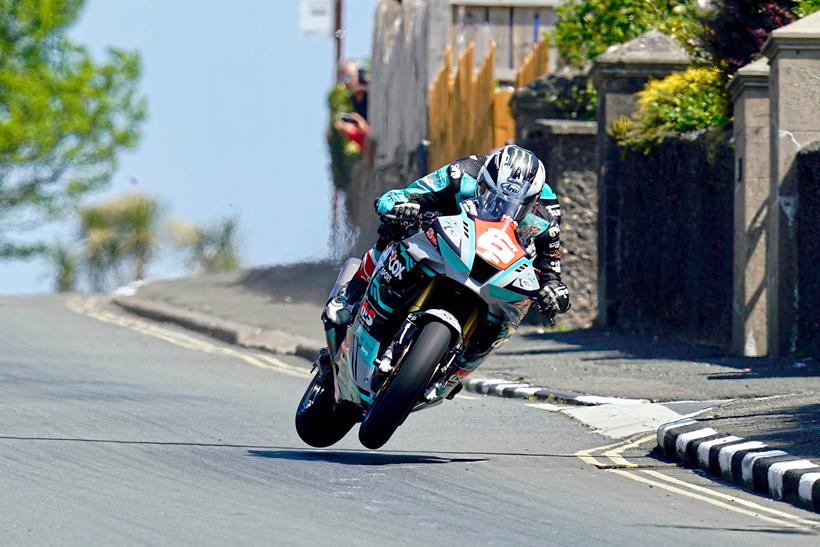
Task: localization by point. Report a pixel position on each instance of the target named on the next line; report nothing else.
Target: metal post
(339, 34)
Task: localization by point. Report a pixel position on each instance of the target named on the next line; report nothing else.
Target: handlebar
(422, 219)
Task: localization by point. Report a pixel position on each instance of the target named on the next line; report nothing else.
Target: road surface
(116, 431)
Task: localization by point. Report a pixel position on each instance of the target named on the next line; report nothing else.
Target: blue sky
(236, 120)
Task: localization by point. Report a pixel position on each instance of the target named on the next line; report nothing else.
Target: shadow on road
(758, 529)
(608, 347)
(342, 455)
(357, 457)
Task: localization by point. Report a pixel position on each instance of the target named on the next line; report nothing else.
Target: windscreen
(506, 199)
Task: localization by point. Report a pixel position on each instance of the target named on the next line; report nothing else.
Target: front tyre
(395, 401)
(320, 422)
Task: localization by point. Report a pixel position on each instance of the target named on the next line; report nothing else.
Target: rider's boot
(340, 309)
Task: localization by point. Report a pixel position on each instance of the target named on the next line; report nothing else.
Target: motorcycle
(421, 310)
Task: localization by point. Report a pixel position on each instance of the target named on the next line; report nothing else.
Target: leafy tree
(806, 7)
(210, 249)
(586, 28)
(63, 116)
(65, 264)
(118, 233)
(737, 29)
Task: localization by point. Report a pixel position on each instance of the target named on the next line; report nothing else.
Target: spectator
(356, 80)
(353, 126)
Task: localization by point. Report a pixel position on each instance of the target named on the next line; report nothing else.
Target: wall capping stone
(803, 34)
(640, 57)
(560, 127)
(755, 74)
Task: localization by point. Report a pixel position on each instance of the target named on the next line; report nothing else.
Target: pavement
(118, 430)
(774, 400)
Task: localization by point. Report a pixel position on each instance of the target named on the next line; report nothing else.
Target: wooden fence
(466, 112)
(535, 64)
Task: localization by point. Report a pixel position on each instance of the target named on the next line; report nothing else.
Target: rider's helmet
(512, 178)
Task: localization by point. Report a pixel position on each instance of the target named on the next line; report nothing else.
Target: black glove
(553, 298)
(403, 213)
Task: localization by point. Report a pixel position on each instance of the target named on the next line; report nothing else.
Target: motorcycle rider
(443, 191)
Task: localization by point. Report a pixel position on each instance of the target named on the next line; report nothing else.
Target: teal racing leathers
(443, 191)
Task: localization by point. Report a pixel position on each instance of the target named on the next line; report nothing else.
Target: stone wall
(808, 251)
(567, 149)
(673, 246)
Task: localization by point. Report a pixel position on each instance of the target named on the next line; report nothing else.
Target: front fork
(447, 379)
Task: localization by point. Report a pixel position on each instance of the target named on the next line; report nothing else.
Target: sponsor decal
(510, 187)
(554, 231)
(555, 254)
(367, 313)
(555, 265)
(395, 267)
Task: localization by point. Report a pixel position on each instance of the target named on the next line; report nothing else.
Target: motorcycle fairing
(396, 282)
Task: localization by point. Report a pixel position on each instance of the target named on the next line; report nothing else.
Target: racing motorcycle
(422, 308)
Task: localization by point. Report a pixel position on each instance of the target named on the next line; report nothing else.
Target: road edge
(273, 341)
(284, 343)
(521, 390)
(741, 461)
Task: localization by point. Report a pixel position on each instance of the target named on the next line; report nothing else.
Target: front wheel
(395, 401)
(320, 422)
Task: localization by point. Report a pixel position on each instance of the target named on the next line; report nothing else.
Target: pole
(339, 34)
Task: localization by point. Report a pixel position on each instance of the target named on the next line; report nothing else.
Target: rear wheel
(321, 422)
(395, 401)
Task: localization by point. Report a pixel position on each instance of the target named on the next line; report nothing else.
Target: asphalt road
(114, 435)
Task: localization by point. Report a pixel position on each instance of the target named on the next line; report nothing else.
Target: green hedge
(683, 101)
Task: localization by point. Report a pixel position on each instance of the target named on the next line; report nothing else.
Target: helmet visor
(507, 199)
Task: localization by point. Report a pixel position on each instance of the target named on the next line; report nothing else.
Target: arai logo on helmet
(511, 187)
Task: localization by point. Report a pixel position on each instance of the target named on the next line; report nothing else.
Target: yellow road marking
(727, 497)
(183, 340)
(711, 501)
(616, 454)
(586, 455)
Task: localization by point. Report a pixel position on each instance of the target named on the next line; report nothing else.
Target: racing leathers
(443, 191)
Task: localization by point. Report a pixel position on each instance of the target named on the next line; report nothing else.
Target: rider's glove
(403, 212)
(553, 298)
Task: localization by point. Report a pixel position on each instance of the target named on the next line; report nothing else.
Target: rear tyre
(320, 422)
(395, 401)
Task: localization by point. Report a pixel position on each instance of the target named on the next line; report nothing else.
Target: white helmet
(513, 175)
